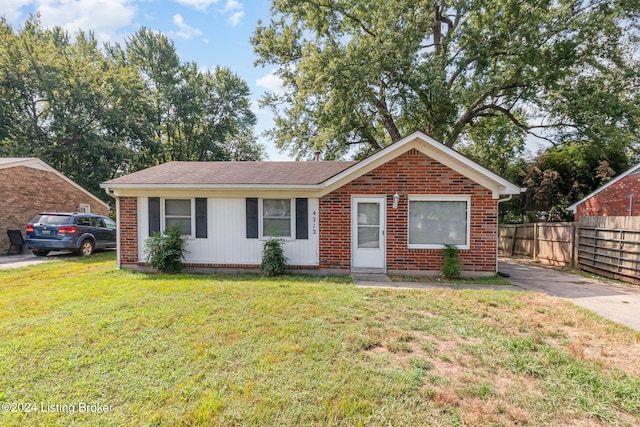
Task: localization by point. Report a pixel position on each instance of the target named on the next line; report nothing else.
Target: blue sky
(209, 32)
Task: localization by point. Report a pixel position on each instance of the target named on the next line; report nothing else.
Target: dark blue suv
(62, 231)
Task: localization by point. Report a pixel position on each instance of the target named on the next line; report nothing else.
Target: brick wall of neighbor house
(411, 173)
(128, 231)
(25, 191)
(613, 200)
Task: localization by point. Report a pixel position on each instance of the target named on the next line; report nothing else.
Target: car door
(100, 232)
(110, 233)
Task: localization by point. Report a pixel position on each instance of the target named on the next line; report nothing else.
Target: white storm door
(368, 233)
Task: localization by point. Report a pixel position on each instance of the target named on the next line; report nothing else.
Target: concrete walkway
(616, 302)
(620, 303)
(383, 281)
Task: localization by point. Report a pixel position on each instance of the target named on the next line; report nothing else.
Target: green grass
(494, 280)
(246, 350)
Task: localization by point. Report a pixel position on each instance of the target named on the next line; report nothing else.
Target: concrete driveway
(16, 261)
(620, 303)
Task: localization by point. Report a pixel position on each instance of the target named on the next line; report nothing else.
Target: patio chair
(15, 241)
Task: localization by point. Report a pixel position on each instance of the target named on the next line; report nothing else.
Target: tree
(367, 73)
(97, 113)
(64, 102)
(564, 174)
(191, 114)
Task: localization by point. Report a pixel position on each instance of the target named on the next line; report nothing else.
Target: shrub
(274, 263)
(451, 264)
(166, 250)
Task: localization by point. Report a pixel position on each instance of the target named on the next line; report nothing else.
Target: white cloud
(235, 18)
(201, 5)
(186, 31)
(234, 9)
(271, 82)
(11, 9)
(104, 17)
(232, 5)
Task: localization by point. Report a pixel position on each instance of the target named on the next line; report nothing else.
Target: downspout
(111, 194)
(631, 205)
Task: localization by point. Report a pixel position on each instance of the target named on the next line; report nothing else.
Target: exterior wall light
(396, 199)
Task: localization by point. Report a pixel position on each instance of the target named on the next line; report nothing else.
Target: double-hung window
(438, 220)
(189, 215)
(283, 218)
(276, 218)
(177, 212)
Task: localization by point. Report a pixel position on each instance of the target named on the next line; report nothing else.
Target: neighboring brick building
(29, 186)
(391, 212)
(618, 197)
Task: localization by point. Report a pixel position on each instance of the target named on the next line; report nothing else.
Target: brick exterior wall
(613, 200)
(411, 173)
(25, 191)
(128, 231)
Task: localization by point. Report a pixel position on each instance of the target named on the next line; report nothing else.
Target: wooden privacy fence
(608, 246)
(550, 242)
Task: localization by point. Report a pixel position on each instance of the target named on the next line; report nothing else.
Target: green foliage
(97, 113)
(165, 251)
(274, 263)
(561, 175)
(451, 262)
(366, 73)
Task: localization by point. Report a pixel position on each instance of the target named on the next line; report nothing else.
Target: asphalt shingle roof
(211, 173)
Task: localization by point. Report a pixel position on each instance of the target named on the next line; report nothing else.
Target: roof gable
(635, 169)
(431, 148)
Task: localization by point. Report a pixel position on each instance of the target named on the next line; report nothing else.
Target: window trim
(163, 214)
(439, 198)
(292, 216)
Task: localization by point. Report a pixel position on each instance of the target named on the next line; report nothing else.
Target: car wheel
(39, 252)
(86, 247)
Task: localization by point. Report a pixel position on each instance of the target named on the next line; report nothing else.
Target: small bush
(274, 263)
(451, 264)
(166, 250)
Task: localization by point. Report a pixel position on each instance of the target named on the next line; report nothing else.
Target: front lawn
(245, 350)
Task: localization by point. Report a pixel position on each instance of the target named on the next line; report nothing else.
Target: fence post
(513, 240)
(573, 244)
(535, 241)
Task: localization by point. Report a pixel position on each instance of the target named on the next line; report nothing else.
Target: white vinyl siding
(227, 243)
(438, 220)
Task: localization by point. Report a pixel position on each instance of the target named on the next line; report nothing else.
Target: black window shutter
(252, 218)
(154, 215)
(201, 218)
(302, 218)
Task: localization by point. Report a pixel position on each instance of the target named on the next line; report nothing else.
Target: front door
(368, 234)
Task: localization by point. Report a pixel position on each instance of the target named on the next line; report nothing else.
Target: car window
(98, 222)
(109, 223)
(84, 220)
(53, 219)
